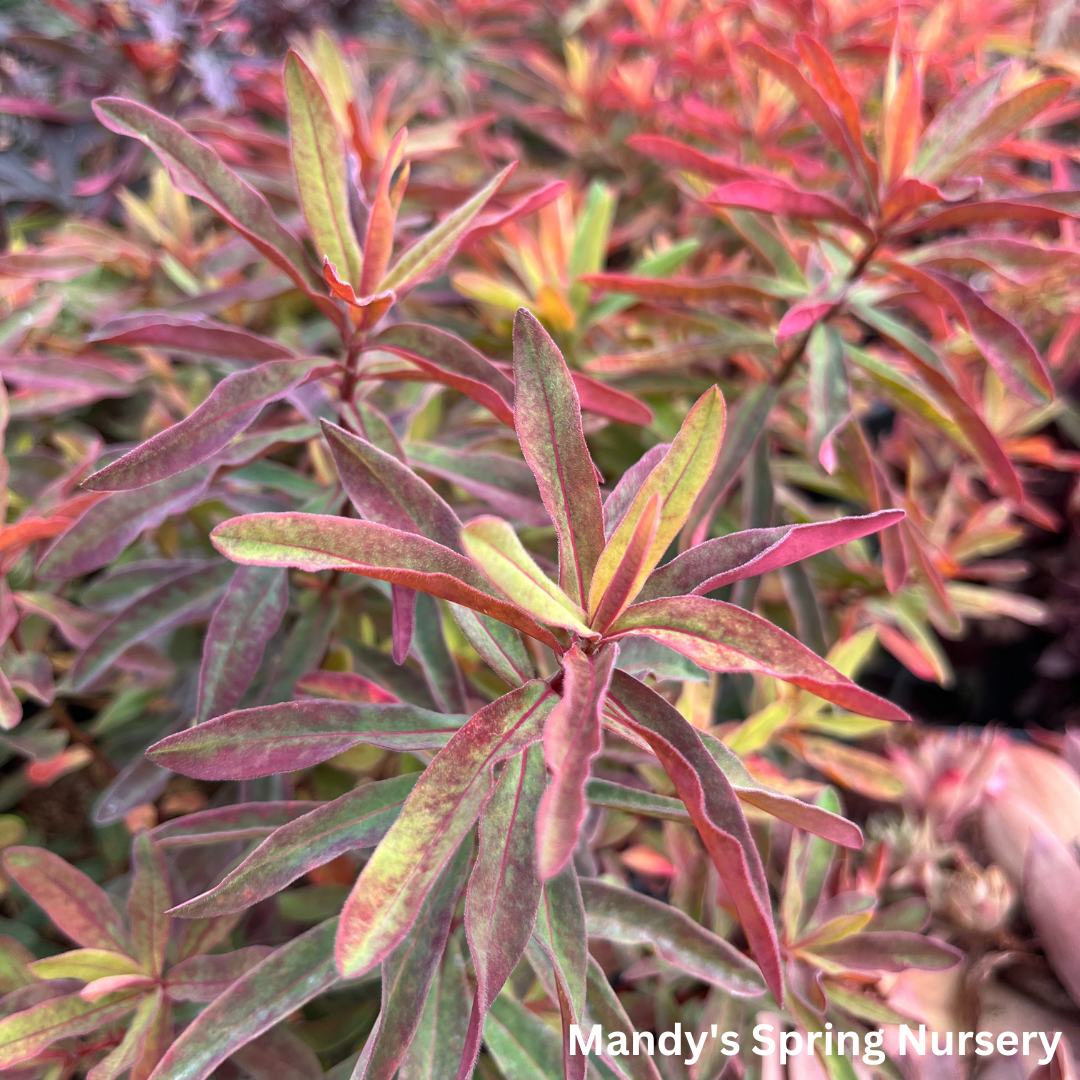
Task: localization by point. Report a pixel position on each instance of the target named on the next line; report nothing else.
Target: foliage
(457, 485)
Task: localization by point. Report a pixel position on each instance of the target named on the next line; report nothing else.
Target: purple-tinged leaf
(226, 824)
(149, 899)
(631, 918)
(1007, 349)
(138, 782)
(318, 542)
(409, 971)
(774, 197)
(103, 531)
(272, 990)
(403, 614)
(10, 706)
(25, 1034)
(358, 819)
(891, 950)
(249, 614)
(190, 333)
(198, 171)
(571, 740)
(754, 552)
(441, 810)
(445, 358)
(271, 739)
(78, 907)
(184, 599)
(342, 686)
(715, 810)
(504, 483)
(520, 1042)
(388, 492)
(723, 637)
(548, 420)
(625, 491)
(203, 978)
(504, 890)
(597, 397)
(231, 407)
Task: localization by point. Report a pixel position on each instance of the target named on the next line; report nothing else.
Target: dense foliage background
(311, 320)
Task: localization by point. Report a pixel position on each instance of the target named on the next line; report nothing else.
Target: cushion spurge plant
(566, 687)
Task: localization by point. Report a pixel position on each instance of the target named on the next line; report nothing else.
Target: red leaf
(687, 158)
(597, 397)
(773, 197)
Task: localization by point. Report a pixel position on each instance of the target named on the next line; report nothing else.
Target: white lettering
(695, 1050)
(676, 1041)
(761, 1036)
(1050, 1047)
(905, 1035)
(595, 1036)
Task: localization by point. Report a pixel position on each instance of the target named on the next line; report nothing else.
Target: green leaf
(500, 646)
(358, 819)
(428, 253)
(523, 1046)
(548, 421)
(432, 652)
(634, 801)
(441, 810)
(272, 990)
(631, 918)
(318, 159)
(588, 253)
(183, 599)
(677, 479)
(271, 739)
(150, 898)
(504, 890)
(828, 407)
(318, 542)
(132, 1044)
(494, 546)
(85, 964)
(605, 1009)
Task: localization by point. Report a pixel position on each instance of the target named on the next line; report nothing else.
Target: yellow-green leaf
(494, 546)
(85, 964)
(677, 479)
(319, 164)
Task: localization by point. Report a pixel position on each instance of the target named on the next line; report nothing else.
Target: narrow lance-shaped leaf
(631, 918)
(548, 419)
(625, 491)
(148, 902)
(379, 240)
(776, 198)
(408, 973)
(319, 542)
(231, 407)
(560, 934)
(206, 977)
(715, 811)
(723, 637)
(358, 819)
(499, 645)
(78, 907)
(828, 407)
(191, 333)
(428, 253)
(901, 110)
(103, 531)
(620, 590)
(85, 964)
(197, 170)
(504, 890)
(178, 601)
(521, 1043)
(131, 1045)
(271, 739)
(433, 654)
(572, 739)
(441, 810)
(754, 552)
(318, 159)
(606, 1010)
(447, 359)
(494, 546)
(439, 1041)
(248, 616)
(268, 993)
(226, 824)
(677, 479)
(25, 1034)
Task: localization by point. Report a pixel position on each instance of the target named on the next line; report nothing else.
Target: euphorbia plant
(610, 589)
